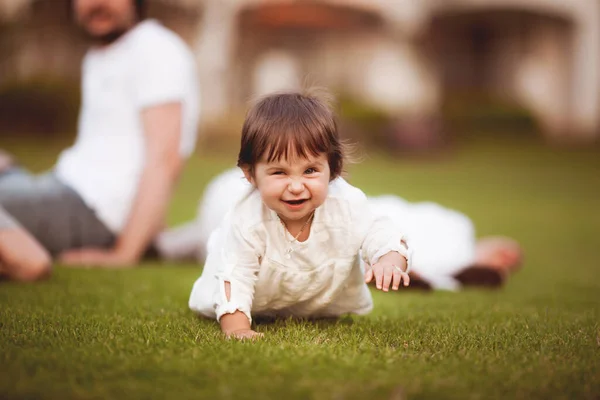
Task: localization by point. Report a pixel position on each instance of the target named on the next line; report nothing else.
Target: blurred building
(407, 57)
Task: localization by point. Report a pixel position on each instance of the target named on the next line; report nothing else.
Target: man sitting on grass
(106, 198)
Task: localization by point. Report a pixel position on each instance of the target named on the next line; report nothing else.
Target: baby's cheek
(321, 195)
(271, 193)
(318, 190)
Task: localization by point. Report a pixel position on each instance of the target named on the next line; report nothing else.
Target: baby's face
(292, 188)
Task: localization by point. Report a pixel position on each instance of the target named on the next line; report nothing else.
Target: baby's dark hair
(291, 124)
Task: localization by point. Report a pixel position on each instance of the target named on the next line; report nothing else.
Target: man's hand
(391, 268)
(93, 257)
(244, 334)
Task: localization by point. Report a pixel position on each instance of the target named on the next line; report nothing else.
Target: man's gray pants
(51, 211)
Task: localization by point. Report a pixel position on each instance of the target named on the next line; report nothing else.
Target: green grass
(128, 334)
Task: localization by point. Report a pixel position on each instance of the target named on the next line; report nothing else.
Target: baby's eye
(277, 173)
(310, 171)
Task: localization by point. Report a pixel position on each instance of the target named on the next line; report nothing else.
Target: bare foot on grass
(500, 253)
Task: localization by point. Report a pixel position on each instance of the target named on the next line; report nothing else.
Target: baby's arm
(237, 260)
(237, 324)
(386, 254)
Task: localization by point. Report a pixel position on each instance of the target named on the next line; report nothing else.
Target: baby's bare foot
(499, 252)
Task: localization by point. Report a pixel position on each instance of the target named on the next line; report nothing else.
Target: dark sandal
(481, 276)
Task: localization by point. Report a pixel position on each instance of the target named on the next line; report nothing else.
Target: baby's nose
(296, 186)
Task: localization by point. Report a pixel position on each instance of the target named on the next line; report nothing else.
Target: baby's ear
(248, 173)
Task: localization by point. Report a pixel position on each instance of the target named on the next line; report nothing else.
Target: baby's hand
(389, 269)
(244, 334)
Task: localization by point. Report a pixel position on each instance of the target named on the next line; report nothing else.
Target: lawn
(128, 334)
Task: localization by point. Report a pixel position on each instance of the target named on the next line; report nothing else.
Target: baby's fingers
(378, 272)
(399, 276)
(249, 336)
(244, 334)
(368, 274)
(406, 278)
(387, 278)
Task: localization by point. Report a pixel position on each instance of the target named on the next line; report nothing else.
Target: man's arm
(162, 129)
(163, 163)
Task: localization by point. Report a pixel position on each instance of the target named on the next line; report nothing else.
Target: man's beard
(107, 38)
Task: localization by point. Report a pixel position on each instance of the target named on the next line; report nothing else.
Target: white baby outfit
(323, 277)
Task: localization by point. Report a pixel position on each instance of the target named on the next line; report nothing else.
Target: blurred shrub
(41, 106)
(221, 135)
(373, 127)
(359, 122)
(480, 113)
(363, 122)
(395, 133)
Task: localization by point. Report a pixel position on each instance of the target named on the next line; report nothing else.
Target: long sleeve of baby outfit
(379, 234)
(237, 258)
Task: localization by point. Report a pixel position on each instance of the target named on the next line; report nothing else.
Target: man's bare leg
(6, 161)
(22, 258)
(500, 253)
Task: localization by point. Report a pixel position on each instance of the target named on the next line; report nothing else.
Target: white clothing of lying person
(443, 240)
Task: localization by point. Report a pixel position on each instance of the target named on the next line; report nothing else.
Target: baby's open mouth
(295, 202)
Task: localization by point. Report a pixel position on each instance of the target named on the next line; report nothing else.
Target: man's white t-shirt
(148, 66)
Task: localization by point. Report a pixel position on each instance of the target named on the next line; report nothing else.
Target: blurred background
(490, 107)
(408, 75)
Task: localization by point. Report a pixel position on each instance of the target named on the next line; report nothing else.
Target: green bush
(482, 113)
(364, 122)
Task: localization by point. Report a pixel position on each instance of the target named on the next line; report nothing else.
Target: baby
(302, 241)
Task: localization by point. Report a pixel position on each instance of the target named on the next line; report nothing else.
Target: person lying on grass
(302, 242)
(448, 253)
